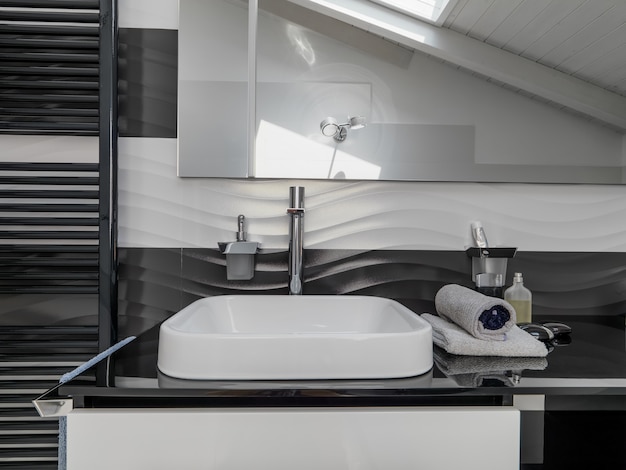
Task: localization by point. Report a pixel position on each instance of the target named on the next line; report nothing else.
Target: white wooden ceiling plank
(541, 24)
(608, 68)
(554, 41)
(514, 23)
(469, 15)
(492, 18)
(613, 75)
(596, 48)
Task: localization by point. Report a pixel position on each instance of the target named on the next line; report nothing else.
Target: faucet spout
(296, 232)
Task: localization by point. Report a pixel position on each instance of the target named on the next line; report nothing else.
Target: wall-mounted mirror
(424, 120)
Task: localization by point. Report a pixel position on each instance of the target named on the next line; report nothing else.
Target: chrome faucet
(296, 229)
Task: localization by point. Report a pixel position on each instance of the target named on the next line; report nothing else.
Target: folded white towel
(455, 340)
(483, 317)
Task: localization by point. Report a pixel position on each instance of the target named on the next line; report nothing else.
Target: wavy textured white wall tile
(158, 209)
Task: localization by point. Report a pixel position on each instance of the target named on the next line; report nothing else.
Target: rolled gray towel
(487, 318)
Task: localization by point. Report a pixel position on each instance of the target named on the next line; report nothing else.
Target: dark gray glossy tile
(148, 82)
(149, 287)
(154, 283)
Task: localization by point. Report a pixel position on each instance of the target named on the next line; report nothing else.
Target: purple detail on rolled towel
(495, 318)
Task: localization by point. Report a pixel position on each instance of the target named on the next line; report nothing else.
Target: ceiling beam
(478, 57)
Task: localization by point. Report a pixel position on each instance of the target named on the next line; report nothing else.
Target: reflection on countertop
(594, 362)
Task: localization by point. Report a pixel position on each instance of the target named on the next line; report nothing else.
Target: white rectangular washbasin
(282, 337)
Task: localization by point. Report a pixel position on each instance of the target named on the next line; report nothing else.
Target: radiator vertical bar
(107, 308)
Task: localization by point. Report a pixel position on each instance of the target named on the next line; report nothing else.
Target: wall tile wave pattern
(158, 209)
(156, 283)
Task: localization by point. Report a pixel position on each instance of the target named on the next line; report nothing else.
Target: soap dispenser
(239, 255)
(520, 298)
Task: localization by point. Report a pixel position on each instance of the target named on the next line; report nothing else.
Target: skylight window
(431, 11)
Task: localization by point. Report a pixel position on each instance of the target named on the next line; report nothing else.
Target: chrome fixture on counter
(330, 127)
(489, 268)
(239, 254)
(296, 229)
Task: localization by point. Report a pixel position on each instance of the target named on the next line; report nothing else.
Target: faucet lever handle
(241, 234)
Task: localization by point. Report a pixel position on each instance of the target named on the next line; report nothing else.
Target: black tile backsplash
(157, 282)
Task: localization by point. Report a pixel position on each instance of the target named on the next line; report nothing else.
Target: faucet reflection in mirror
(330, 127)
(296, 229)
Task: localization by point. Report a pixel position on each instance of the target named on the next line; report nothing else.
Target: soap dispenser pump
(239, 255)
(520, 298)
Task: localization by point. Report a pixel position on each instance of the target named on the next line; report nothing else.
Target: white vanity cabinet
(389, 438)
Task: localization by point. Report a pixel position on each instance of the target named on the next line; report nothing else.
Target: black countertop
(593, 363)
